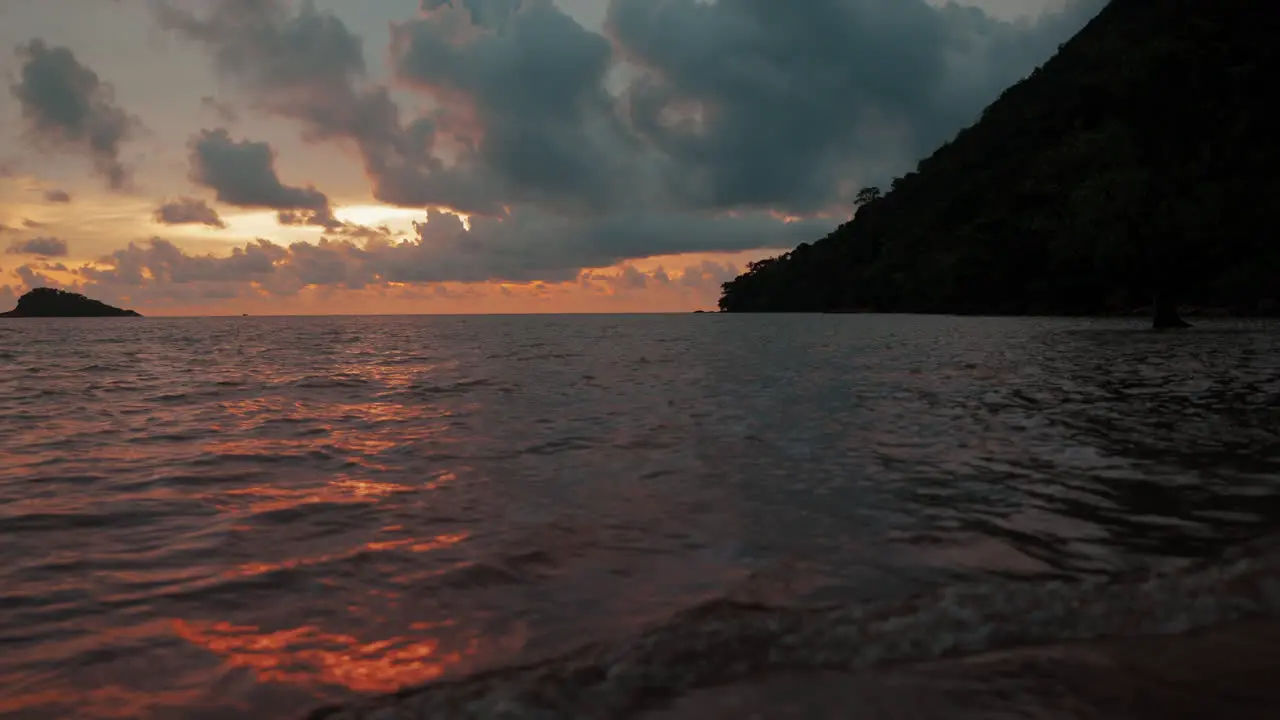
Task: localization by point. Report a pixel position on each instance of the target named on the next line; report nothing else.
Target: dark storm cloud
(188, 211)
(68, 107)
(734, 104)
(545, 126)
(57, 196)
(243, 174)
(483, 13)
(567, 149)
(41, 246)
(744, 105)
(791, 103)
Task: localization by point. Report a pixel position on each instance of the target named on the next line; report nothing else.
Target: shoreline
(1226, 671)
(1041, 634)
(1143, 313)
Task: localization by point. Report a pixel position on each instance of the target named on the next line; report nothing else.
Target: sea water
(599, 516)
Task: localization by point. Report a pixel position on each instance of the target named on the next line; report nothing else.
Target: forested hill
(1141, 160)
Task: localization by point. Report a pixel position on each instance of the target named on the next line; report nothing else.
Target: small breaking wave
(725, 641)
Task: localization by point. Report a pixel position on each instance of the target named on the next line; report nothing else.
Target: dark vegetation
(1136, 168)
(49, 302)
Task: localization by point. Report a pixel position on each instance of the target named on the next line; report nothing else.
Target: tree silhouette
(866, 196)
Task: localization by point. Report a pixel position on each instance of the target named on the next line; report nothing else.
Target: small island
(51, 302)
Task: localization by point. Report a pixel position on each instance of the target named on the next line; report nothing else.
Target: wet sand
(1227, 672)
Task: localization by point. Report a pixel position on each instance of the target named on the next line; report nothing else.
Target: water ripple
(254, 516)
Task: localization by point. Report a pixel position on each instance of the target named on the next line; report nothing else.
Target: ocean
(624, 516)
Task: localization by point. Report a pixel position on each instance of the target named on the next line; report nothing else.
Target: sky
(208, 157)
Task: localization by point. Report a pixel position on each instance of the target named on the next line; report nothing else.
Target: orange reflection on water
(309, 656)
(441, 480)
(341, 489)
(357, 441)
(250, 413)
(333, 440)
(361, 488)
(416, 545)
(392, 375)
(384, 412)
(420, 546)
(360, 447)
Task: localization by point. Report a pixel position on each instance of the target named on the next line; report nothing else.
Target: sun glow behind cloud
(376, 215)
(264, 224)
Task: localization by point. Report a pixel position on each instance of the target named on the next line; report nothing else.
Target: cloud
(188, 211)
(57, 196)
(269, 48)
(243, 174)
(796, 105)
(680, 128)
(521, 248)
(482, 13)
(748, 105)
(309, 67)
(524, 85)
(67, 107)
(32, 277)
(225, 113)
(41, 246)
(709, 273)
(530, 245)
(159, 261)
(702, 277)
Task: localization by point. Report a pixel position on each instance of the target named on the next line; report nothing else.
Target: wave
(726, 641)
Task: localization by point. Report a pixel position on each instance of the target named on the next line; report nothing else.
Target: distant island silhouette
(1132, 172)
(51, 302)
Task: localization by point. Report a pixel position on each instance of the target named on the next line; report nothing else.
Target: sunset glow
(456, 164)
(398, 219)
(216, 188)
